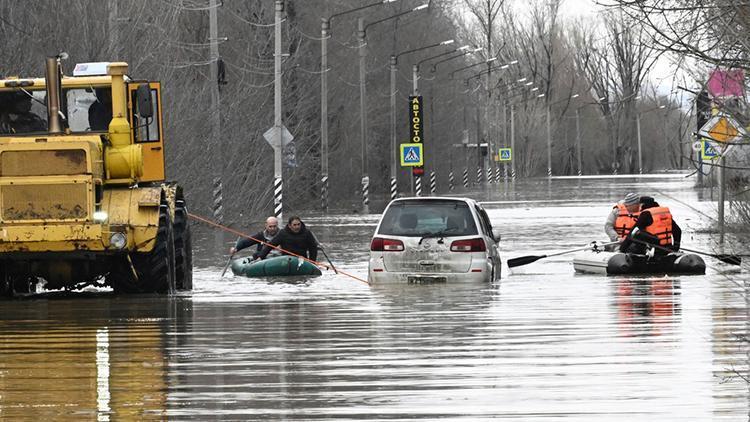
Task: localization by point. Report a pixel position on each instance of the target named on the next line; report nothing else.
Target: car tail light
(386, 245)
(469, 245)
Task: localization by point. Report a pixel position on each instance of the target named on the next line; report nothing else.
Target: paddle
(335, 271)
(726, 258)
(229, 261)
(523, 260)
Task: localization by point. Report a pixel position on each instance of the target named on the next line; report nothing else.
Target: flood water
(543, 344)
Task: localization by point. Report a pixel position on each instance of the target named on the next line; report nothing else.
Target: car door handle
(155, 148)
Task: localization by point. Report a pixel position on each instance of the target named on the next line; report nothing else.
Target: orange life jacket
(662, 225)
(625, 220)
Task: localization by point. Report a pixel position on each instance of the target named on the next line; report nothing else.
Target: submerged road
(544, 344)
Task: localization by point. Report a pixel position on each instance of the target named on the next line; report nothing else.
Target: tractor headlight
(100, 216)
(118, 240)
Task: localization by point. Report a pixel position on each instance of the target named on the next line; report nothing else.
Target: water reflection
(646, 306)
(92, 357)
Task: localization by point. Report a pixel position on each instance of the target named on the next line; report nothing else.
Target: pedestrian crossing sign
(505, 154)
(412, 155)
(708, 151)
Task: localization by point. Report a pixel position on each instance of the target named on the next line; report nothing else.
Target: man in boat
(654, 226)
(270, 231)
(294, 238)
(622, 218)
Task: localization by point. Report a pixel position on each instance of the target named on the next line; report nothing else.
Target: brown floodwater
(543, 344)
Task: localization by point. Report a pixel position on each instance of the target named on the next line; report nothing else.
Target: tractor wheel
(183, 248)
(155, 269)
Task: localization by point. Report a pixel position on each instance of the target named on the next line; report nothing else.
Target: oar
(229, 261)
(726, 258)
(335, 271)
(523, 260)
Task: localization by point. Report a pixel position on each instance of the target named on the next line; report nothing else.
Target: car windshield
(420, 218)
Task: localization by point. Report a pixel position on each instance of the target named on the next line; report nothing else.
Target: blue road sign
(708, 151)
(412, 155)
(505, 154)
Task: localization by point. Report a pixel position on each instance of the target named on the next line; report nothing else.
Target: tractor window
(22, 112)
(147, 128)
(89, 109)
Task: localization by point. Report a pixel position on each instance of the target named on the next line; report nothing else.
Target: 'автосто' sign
(416, 134)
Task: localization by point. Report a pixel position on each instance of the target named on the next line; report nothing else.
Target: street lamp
(465, 52)
(362, 34)
(325, 27)
(394, 69)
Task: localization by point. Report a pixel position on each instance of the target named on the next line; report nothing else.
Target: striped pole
(450, 181)
(277, 203)
(324, 192)
(497, 174)
(505, 171)
(489, 175)
(466, 178)
(513, 173)
(549, 171)
(366, 195)
(479, 176)
(433, 183)
(418, 187)
(218, 207)
(394, 188)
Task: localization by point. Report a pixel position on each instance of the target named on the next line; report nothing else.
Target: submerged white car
(434, 239)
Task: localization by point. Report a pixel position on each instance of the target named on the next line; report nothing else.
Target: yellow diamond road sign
(722, 128)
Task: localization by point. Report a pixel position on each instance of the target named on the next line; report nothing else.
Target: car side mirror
(145, 106)
(496, 234)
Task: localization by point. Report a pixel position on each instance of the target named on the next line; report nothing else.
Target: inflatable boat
(284, 265)
(601, 262)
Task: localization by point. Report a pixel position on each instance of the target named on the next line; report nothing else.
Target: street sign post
(271, 136)
(722, 128)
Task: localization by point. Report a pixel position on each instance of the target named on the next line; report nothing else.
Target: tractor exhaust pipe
(52, 76)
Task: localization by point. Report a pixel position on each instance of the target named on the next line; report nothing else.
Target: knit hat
(631, 199)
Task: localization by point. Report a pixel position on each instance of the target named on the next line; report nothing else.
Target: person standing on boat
(622, 218)
(294, 238)
(654, 226)
(270, 231)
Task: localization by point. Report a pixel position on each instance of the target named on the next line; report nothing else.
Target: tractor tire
(155, 269)
(183, 248)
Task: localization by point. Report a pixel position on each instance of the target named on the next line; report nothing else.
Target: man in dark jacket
(643, 237)
(294, 238)
(270, 231)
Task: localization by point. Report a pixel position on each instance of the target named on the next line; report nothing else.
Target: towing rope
(238, 233)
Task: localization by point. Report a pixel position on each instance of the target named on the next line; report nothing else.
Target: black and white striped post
(433, 183)
(324, 192)
(479, 176)
(278, 186)
(366, 194)
(489, 175)
(466, 178)
(218, 207)
(418, 185)
(394, 188)
(450, 181)
(497, 174)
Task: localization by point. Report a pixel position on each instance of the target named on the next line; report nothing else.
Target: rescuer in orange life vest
(623, 217)
(654, 226)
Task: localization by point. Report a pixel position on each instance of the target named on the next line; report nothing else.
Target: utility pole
(278, 181)
(549, 144)
(513, 142)
(324, 26)
(218, 165)
(363, 114)
(578, 140)
(394, 149)
(722, 188)
(638, 128)
(114, 39)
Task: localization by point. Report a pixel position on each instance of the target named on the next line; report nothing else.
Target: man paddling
(270, 231)
(294, 238)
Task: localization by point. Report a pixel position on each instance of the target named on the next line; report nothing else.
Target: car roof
(433, 198)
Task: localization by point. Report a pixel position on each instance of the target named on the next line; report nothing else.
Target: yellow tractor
(83, 197)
